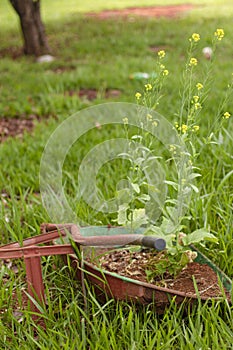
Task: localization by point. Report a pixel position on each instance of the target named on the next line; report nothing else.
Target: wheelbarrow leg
(34, 281)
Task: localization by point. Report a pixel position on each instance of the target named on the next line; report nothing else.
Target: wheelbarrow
(106, 284)
(31, 252)
(110, 284)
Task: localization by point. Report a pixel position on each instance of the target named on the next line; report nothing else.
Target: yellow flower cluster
(125, 120)
(196, 127)
(197, 106)
(149, 117)
(148, 87)
(193, 62)
(163, 70)
(219, 34)
(195, 99)
(161, 54)
(199, 86)
(172, 149)
(226, 115)
(184, 128)
(195, 37)
(138, 95)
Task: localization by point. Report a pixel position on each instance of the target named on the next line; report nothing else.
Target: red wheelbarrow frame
(32, 253)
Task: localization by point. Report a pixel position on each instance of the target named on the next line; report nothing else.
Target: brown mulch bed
(11, 127)
(170, 11)
(134, 264)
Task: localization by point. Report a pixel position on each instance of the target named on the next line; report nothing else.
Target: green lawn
(102, 55)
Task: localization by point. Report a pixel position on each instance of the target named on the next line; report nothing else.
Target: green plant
(134, 212)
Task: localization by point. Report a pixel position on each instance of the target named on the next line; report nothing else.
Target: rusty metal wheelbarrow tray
(105, 283)
(31, 252)
(113, 285)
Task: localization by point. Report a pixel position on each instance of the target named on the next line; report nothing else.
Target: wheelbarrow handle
(154, 242)
(118, 240)
(106, 240)
(122, 240)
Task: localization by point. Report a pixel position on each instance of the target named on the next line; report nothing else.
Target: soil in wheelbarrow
(135, 264)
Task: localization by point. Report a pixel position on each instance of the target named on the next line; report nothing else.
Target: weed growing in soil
(189, 121)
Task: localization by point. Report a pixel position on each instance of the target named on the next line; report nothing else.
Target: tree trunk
(35, 41)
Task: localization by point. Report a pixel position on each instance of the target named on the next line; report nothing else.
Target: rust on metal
(34, 281)
(47, 227)
(15, 253)
(42, 238)
(32, 252)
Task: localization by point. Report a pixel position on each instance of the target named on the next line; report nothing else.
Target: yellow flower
(176, 125)
(172, 149)
(138, 95)
(199, 86)
(162, 66)
(161, 54)
(195, 37)
(184, 128)
(125, 120)
(219, 33)
(195, 99)
(155, 123)
(193, 62)
(197, 106)
(226, 115)
(165, 72)
(196, 127)
(148, 87)
(149, 117)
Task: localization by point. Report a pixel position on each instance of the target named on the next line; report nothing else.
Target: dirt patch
(12, 52)
(92, 94)
(11, 127)
(15, 127)
(170, 11)
(134, 265)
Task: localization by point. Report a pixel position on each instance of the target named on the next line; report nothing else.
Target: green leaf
(122, 214)
(144, 198)
(135, 187)
(139, 218)
(135, 137)
(153, 158)
(184, 260)
(173, 184)
(124, 195)
(193, 176)
(153, 230)
(139, 161)
(167, 226)
(194, 188)
(198, 236)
